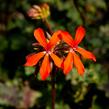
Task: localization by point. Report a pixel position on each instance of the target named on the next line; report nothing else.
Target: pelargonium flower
(72, 57)
(48, 53)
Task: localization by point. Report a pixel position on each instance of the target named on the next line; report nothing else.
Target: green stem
(48, 26)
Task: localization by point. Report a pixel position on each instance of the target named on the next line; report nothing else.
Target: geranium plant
(56, 49)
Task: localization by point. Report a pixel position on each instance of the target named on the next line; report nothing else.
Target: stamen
(71, 50)
(74, 48)
(44, 52)
(49, 52)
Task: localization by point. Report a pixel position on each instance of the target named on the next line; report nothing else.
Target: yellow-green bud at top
(39, 11)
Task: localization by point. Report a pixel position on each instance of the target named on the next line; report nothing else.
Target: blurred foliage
(21, 96)
(21, 87)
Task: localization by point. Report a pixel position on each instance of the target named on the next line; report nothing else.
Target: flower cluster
(49, 56)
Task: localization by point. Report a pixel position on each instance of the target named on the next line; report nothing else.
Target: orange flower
(48, 51)
(72, 57)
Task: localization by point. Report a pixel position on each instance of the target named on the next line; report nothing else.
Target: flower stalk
(48, 26)
(53, 90)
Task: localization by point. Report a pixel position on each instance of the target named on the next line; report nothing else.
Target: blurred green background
(21, 88)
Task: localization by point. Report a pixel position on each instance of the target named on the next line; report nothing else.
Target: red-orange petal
(66, 37)
(86, 54)
(33, 58)
(56, 60)
(78, 64)
(54, 39)
(45, 68)
(80, 33)
(68, 63)
(40, 37)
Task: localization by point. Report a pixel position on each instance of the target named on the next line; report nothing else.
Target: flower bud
(39, 11)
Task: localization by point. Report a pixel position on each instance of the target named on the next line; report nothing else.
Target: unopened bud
(39, 11)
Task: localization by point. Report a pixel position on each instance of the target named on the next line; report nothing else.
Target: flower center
(47, 52)
(73, 49)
